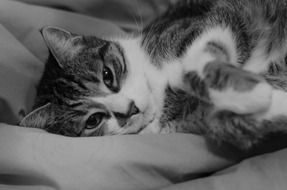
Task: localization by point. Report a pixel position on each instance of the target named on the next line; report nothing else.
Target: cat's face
(96, 90)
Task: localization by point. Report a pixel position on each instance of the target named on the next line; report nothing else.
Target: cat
(211, 67)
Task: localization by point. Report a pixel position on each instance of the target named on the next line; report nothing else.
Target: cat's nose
(124, 117)
(133, 109)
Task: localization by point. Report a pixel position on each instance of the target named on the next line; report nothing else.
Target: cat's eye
(108, 77)
(94, 120)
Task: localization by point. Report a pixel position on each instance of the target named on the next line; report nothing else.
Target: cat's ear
(39, 118)
(62, 44)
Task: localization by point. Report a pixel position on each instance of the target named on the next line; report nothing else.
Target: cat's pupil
(94, 120)
(108, 77)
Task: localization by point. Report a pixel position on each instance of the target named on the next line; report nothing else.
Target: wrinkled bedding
(33, 159)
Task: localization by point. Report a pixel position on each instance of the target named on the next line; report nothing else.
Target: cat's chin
(135, 124)
(149, 120)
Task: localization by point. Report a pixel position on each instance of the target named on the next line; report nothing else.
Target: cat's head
(95, 90)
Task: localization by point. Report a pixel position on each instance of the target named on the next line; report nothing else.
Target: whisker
(141, 17)
(134, 16)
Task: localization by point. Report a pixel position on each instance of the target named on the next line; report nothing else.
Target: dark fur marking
(240, 130)
(243, 131)
(220, 76)
(195, 85)
(218, 50)
(185, 109)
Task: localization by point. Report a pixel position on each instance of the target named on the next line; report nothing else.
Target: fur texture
(211, 67)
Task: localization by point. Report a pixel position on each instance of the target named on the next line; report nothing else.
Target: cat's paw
(233, 89)
(277, 109)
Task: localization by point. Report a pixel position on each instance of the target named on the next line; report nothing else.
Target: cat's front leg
(244, 108)
(277, 109)
(233, 89)
(237, 90)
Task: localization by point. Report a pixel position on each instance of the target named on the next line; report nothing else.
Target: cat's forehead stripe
(115, 48)
(121, 51)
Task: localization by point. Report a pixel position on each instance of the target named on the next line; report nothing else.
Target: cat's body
(212, 67)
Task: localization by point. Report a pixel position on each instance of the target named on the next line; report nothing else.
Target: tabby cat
(210, 67)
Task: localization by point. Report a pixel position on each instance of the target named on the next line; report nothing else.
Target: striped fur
(211, 67)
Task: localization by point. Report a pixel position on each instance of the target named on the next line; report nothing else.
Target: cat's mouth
(136, 123)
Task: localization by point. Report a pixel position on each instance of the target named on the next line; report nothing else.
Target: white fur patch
(253, 101)
(197, 56)
(146, 83)
(278, 106)
(143, 81)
